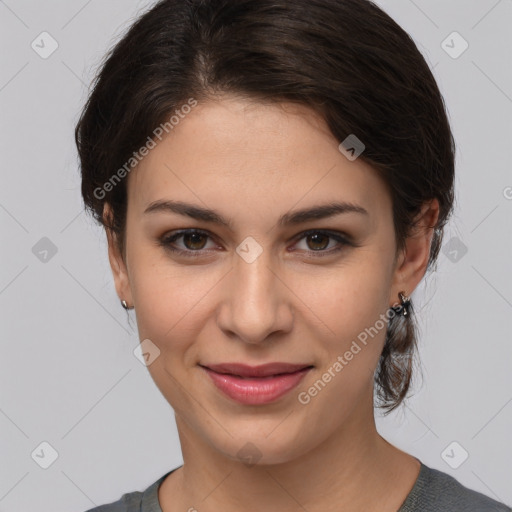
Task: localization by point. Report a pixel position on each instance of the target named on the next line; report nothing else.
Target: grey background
(68, 375)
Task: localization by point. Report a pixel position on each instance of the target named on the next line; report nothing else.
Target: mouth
(254, 385)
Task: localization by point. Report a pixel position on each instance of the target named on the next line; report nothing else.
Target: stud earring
(125, 305)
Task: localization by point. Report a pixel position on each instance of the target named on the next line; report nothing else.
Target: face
(265, 284)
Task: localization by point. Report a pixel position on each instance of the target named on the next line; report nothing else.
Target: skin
(253, 162)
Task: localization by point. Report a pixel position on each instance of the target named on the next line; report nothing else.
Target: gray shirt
(433, 491)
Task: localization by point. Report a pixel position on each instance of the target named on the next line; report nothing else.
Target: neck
(353, 469)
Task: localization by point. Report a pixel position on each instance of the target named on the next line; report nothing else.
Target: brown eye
(194, 241)
(318, 241)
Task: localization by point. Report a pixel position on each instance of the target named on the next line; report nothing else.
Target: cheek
(172, 302)
(349, 299)
(351, 305)
(170, 313)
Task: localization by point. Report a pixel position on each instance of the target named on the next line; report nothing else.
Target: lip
(255, 385)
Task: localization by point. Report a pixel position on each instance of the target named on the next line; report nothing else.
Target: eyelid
(329, 232)
(342, 239)
(166, 239)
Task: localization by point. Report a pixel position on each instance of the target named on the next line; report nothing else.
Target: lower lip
(256, 391)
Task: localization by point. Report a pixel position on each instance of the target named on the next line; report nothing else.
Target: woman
(274, 178)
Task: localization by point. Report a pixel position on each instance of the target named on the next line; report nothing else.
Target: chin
(262, 446)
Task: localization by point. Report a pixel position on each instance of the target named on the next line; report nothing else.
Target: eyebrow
(288, 219)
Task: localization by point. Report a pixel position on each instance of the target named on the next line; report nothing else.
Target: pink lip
(253, 385)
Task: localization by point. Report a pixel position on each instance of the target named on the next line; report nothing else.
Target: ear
(117, 264)
(413, 260)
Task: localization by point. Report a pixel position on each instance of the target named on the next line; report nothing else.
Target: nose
(257, 304)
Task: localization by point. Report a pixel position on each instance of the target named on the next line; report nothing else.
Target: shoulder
(435, 491)
(129, 502)
(136, 501)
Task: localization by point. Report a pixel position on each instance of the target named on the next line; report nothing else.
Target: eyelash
(167, 240)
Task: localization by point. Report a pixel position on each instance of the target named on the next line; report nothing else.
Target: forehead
(257, 157)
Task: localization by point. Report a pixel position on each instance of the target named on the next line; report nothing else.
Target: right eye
(193, 241)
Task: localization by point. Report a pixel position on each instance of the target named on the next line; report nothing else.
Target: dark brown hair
(346, 59)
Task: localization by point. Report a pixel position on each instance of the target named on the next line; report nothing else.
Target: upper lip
(263, 370)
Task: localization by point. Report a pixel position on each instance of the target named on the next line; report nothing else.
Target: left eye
(318, 241)
(194, 242)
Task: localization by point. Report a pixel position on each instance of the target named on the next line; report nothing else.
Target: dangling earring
(125, 305)
(405, 303)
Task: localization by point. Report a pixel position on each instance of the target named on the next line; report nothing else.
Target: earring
(125, 305)
(405, 303)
